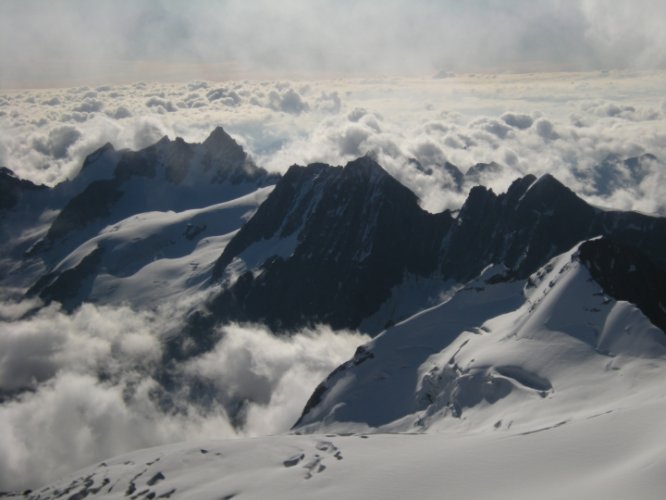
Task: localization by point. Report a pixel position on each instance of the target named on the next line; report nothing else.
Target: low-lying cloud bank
(77, 389)
(564, 124)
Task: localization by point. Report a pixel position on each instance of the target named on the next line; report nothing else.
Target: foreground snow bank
(615, 455)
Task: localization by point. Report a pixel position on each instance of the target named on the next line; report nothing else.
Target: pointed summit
(219, 141)
(7, 172)
(365, 166)
(163, 141)
(227, 158)
(548, 194)
(328, 235)
(548, 182)
(521, 185)
(98, 165)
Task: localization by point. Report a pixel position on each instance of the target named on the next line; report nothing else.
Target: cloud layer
(84, 387)
(47, 43)
(563, 123)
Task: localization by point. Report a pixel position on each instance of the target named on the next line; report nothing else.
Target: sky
(72, 42)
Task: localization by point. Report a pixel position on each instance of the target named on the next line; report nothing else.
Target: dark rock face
(534, 221)
(237, 166)
(95, 202)
(12, 188)
(358, 231)
(66, 286)
(626, 273)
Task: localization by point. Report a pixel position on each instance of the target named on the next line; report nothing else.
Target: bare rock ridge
(357, 233)
(329, 244)
(625, 273)
(534, 221)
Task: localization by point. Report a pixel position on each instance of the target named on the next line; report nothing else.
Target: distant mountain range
(330, 244)
(326, 245)
(506, 313)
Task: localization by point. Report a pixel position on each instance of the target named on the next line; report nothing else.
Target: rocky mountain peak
(357, 230)
(626, 273)
(170, 175)
(7, 172)
(220, 144)
(219, 137)
(365, 167)
(352, 234)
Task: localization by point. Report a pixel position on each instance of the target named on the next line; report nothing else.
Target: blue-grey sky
(69, 42)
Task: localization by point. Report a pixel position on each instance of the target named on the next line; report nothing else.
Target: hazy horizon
(68, 43)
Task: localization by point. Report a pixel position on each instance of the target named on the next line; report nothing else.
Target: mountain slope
(333, 245)
(126, 210)
(169, 175)
(611, 456)
(546, 344)
(506, 354)
(147, 257)
(544, 387)
(327, 246)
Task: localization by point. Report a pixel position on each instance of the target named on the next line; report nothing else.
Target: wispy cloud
(93, 387)
(66, 42)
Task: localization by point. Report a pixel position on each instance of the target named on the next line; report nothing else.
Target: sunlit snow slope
(542, 388)
(506, 356)
(132, 226)
(613, 456)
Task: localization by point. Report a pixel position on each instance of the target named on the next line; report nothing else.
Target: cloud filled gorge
(563, 123)
(77, 389)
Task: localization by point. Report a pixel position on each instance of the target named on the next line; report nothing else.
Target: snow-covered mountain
(335, 245)
(523, 333)
(349, 247)
(134, 226)
(148, 256)
(544, 387)
(327, 246)
(502, 354)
